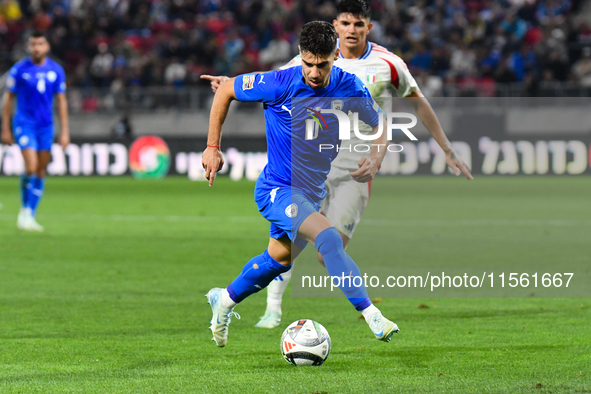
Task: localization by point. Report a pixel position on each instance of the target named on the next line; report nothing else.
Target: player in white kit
(381, 71)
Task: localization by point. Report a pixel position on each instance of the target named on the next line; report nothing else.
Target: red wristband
(214, 146)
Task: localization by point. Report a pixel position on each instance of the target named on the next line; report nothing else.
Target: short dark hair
(38, 34)
(318, 38)
(358, 8)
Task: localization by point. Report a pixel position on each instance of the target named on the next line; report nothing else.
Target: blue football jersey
(293, 158)
(35, 86)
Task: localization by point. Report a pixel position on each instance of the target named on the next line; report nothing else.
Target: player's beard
(321, 84)
(39, 58)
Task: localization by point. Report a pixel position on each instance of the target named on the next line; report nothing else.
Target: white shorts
(345, 200)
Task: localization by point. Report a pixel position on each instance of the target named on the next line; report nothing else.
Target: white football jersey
(380, 70)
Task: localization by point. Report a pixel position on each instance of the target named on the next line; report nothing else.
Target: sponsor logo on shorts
(350, 226)
(273, 194)
(292, 210)
(247, 81)
(24, 140)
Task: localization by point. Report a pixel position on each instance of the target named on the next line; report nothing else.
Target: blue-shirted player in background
(289, 190)
(34, 81)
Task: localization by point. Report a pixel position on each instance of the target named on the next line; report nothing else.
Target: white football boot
(26, 221)
(381, 327)
(22, 217)
(32, 225)
(221, 316)
(270, 319)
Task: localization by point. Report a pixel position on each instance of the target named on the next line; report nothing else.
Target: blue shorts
(285, 208)
(36, 138)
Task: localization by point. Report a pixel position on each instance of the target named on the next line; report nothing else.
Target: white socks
(367, 312)
(227, 302)
(275, 291)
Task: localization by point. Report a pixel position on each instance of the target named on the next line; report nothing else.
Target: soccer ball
(305, 342)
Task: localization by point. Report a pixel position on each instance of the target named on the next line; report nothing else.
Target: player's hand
(64, 139)
(212, 161)
(6, 137)
(457, 164)
(368, 168)
(216, 81)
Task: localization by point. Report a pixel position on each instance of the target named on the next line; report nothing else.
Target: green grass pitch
(110, 298)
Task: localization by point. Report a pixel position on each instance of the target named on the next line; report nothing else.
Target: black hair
(318, 38)
(358, 8)
(38, 34)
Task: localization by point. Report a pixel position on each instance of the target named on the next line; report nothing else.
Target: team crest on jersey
(337, 104)
(247, 81)
(292, 210)
(371, 75)
(51, 76)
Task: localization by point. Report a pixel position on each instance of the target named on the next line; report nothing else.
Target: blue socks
(255, 276)
(35, 192)
(24, 187)
(338, 263)
(31, 191)
(262, 269)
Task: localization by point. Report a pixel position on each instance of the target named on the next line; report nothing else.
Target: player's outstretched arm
(6, 135)
(429, 118)
(368, 166)
(215, 80)
(62, 104)
(212, 159)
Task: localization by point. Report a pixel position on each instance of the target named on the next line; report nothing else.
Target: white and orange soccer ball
(305, 342)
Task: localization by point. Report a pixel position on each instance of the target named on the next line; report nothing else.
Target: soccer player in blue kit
(289, 190)
(34, 81)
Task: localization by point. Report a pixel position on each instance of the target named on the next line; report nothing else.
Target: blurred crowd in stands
(472, 45)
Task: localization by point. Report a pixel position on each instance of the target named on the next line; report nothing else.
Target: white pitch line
(476, 222)
(140, 218)
(252, 219)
